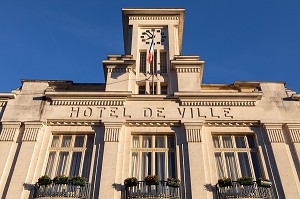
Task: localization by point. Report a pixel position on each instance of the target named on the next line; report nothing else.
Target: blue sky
(239, 40)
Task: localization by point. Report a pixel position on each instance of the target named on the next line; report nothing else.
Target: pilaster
(8, 138)
(110, 161)
(25, 164)
(283, 160)
(195, 160)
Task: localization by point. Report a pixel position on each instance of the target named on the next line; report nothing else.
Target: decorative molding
(153, 18)
(231, 123)
(193, 135)
(31, 131)
(3, 103)
(87, 103)
(111, 134)
(9, 131)
(73, 123)
(295, 135)
(118, 70)
(188, 70)
(217, 103)
(275, 134)
(153, 123)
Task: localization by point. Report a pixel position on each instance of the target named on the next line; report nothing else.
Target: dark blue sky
(239, 40)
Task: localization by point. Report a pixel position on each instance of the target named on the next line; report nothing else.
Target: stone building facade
(156, 119)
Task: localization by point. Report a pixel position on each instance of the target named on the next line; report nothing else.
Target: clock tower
(168, 71)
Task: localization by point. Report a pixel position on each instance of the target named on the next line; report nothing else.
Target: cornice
(166, 17)
(86, 95)
(63, 102)
(217, 103)
(72, 123)
(147, 123)
(231, 123)
(7, 96)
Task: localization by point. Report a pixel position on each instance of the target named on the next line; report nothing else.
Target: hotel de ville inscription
(151, 112)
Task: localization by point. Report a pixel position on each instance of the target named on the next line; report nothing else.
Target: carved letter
(124, 113)
(101, 110)
(181, 112)
(74, 111)
(212, 113)
(159, 112)
(199, 115)
(112, 112)
(226, 112)
(87, 112)
(192, 115)
(147, 112)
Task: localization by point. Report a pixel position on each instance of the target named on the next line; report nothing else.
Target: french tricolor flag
(151, 52)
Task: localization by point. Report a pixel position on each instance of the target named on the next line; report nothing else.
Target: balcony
(152, 191)
(244, 191)
(62, 190)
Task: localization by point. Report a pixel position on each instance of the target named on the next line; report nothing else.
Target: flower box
(173, 182)
(225, 182)
(246, 181)
(130, 182)
(78, 181)
(44, 180)
(151, 180)
(62, 179)
(263, 182)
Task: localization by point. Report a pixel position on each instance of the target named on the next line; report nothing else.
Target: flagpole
(153, 72)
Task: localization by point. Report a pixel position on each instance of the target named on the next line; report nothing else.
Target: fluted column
(25, 165)
(110, 161)
(8, 145)
(283, 159)
(195, 157)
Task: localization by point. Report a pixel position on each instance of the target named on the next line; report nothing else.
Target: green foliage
(61, 179)
(225, 182)
(246, 180)
(78, 181)
(151, 180)
(44, 180)
(130, 182)
(173, 182)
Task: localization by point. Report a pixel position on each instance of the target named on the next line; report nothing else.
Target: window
(163, 62)
(236, 156)
(143, 62)
(164, 90)
(153, 155)
(70, 155)
(155, 64)
(142, 90)
(151, 89)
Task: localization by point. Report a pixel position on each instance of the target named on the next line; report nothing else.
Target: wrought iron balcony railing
(62, 190)
(152, 191)
(244, 191)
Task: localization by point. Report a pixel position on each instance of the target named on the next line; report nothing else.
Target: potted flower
(78, 181)
(131, 182)
(44, 180)
(225, 182)
(246, 180)
(262, 182)
(151, 180)
(173, 182)
(61, 179)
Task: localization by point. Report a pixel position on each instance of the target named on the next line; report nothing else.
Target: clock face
(159, 34)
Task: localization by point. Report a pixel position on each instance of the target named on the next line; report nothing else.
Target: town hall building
(152, 130)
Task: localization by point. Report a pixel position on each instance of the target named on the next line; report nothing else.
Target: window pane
(216, 141)
(160, 165)
(75, 164)
(135, 160)
(50, 164)
(227, 142)
(135, 142)
(244, 164)
(146, 164)
(87, 164)
(240, 142)
(66, 141)
(79, 141)
(231, 165)
(164, 90)
(171, 165)
(163, 62)
(90, 141)
(142, 90)
(251, 142)
(55, 141)
(147, 142)
(62, 163)
(171, 142)
(142, 62)
(255, 164)
(159, 142)
(219, 165)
